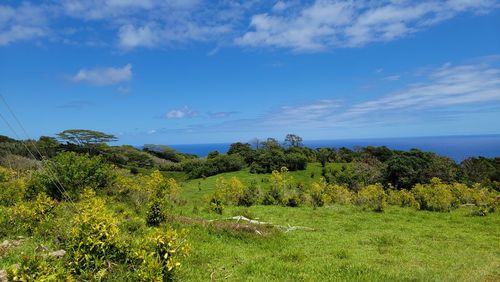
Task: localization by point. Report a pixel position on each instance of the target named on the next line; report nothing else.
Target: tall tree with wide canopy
(84, 137)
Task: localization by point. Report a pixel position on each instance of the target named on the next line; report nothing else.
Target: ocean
(457, 148)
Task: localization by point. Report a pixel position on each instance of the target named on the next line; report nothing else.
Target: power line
(60, 188)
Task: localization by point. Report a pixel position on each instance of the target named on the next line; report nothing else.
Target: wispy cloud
(221, 115)
(103, 76)
(332, 24)
(392, 77)
(444, 87)
(24, 22)
(184, 112)
(303, 26)
(446, 92)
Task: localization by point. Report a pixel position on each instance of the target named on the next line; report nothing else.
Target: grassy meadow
(345, 243)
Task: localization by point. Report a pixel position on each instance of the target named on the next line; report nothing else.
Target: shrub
(93, 242)
(155, 214)
(402, 198)
(69, 173)
(164, 189)
(484, 200)
(338, 194)
(250, 196)
(317, 194)
(161, 263)
(215, 203)
(435, 196)
(232, 191)
(164, 194)
(12, 187)
(291, 199)
(26, 216)
(217, 164)
(373, 197)
(38, 268)
(461, 194)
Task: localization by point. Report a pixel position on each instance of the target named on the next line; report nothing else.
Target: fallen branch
(285, 229)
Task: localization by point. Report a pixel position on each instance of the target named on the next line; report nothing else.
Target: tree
(477, 169)
(85, 137)
(163, 152)
(213, 154)
(323, 156)
(271, 144)
(243, 149)
(255, 142)
(48, 145)
(292, 140)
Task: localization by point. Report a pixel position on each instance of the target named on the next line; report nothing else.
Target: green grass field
(347, 243)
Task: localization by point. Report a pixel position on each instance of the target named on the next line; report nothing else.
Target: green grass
(351, 244)
(347, 244)
(196, 188)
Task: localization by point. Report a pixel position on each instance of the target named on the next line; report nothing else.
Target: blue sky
(193, 71)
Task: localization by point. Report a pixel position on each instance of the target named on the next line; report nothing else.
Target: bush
(12, 187)
(461, 194)
(435, 196)
(155, 214)
(338, 194)
(251, 195)
(164, 194)
(38, 268)
(217, 164)
(317, 193)
(93, 242)
(291, 199)
(69, 173)
(27, 216)
(373, 197)
(402, 198)
(161, 263)
(484, 200)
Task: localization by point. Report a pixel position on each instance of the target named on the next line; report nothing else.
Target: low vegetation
(83, 210)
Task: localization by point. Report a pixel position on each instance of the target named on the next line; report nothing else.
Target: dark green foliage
(244, 150)
(155, 214)
(125, 156)
(165, 152)
(216, 165)
(295, 161)
(67, 174)
(250, 195)
(477, 170)
(213, 154)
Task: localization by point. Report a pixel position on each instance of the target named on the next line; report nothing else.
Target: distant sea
(457, 148)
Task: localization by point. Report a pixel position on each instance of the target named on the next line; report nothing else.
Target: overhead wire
(58, 184)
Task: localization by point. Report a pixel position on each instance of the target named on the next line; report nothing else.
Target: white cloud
(333, 24)
(22, 23)
(184, 112)
(392, 77)
(104, 76)
(131, 37)
(445, 87)
(298, 25)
